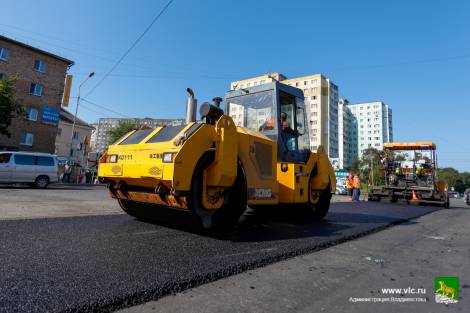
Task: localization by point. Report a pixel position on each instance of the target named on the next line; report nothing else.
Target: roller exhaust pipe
(191, 106)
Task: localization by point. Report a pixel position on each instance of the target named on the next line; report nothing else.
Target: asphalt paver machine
(410, 173)
(256, 153)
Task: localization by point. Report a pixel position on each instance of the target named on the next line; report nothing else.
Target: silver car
(33, 168)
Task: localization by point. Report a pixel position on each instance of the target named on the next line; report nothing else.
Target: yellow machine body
(157, 166)
(142, 164)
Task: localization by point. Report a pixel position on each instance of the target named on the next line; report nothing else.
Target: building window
(35, 89)
(40, 66)
(27, 139)
(3, 54)
(296, 84)
(305, 83)
(32, 114)
(75, 135)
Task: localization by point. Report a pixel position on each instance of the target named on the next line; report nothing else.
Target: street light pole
(76, 111)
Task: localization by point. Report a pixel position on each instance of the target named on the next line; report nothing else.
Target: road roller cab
(255, 153)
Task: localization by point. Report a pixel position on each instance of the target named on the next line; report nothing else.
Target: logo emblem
(260, 193)
(446, 289)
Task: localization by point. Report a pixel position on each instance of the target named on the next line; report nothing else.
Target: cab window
(303, 139)
(253, 111)
(288, 133)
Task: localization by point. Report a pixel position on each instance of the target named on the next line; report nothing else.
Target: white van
(34, 168)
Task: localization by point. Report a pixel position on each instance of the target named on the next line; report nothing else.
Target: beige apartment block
(259, 80)
(321, 102)
(76, 147)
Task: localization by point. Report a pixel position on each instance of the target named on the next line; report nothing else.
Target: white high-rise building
(374, 124)
(347, 133)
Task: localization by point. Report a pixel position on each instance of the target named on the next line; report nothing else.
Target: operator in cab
(288, 133)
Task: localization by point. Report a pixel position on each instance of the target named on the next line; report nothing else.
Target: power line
(90, 109)
(166, 76)
(130, 48)
(103, 107)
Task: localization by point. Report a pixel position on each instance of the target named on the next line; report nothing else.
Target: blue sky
(413, 55)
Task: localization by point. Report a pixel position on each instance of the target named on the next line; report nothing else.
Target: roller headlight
(168, 157)
(113, 158)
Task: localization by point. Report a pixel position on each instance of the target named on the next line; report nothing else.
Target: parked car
(341, 190)
(33, 168)
(467, 196)
(453, 194)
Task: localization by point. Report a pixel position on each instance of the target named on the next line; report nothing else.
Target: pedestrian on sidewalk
(356, 188)
(349, 186)
(67, 172)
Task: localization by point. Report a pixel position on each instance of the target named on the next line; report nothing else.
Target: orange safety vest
(349, 183)
(356, 182)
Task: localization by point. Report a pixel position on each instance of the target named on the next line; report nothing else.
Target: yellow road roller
(253, 153)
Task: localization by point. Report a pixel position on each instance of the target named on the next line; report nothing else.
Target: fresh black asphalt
(104, 263)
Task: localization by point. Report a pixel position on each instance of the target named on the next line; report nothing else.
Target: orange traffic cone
(414, 198)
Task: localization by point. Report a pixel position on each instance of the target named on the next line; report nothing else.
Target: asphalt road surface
(351, 277)
(109, 262)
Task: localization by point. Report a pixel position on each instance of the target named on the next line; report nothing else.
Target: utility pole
(76, 111)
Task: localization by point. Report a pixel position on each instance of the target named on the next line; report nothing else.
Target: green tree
(449, 175)
(122, 129)
(453, 178)
(9, 106)
(370, 167)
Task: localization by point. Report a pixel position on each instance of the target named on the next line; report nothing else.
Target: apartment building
(40, 86)
(258, 80)
(100, 136)
(374, 124)
(347, 133)
(321, 102)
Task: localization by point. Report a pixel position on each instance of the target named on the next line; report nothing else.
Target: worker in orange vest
(349, 185)
(356, 187)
